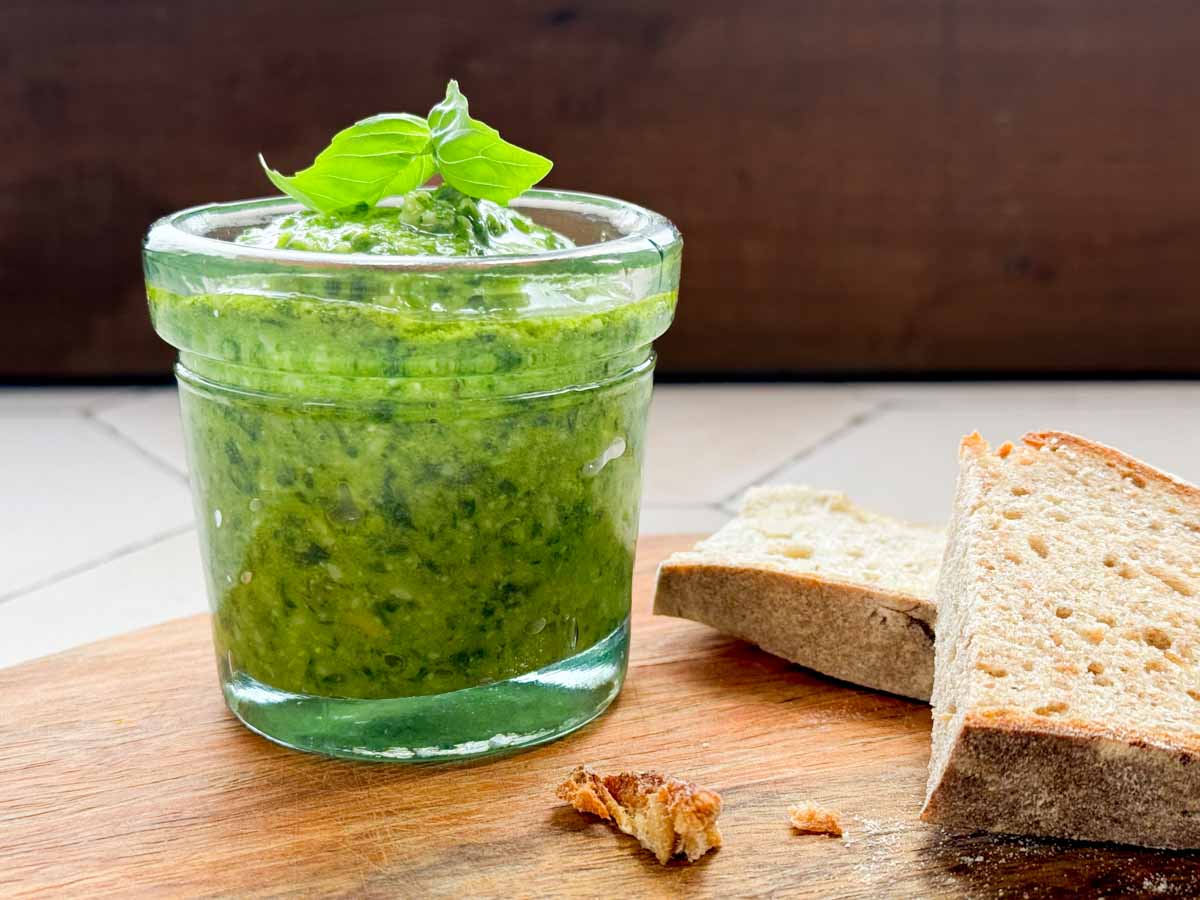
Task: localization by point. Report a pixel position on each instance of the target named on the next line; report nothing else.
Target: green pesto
(441, 222)
(395, 501)
(360, 550)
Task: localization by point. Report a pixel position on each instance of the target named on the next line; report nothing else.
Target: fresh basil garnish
(394, 153)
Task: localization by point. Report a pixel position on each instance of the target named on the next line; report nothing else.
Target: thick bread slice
(809, 576)
(1067, 696)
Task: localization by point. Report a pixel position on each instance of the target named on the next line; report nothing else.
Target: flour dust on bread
(809, 576)
(1067, 696)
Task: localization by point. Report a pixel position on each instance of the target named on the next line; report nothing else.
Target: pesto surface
(439, 222)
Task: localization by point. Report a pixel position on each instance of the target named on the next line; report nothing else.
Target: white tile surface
(1016, 392)
(151, 585)
(707, 443)
(682, 519)
(903, 461)
(53, 401)
(74, 494)
(151, 420)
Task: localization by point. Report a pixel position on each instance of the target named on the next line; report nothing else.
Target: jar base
(489, 719)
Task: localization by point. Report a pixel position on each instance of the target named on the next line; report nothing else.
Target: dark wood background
(864, 187)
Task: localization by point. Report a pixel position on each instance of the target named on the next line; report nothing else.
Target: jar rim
(636, 230)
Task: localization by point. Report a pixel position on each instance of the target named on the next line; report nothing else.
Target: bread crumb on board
(669, 817)
(809, 818)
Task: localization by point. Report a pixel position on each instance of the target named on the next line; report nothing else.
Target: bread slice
(809, 576)
(669, 817)
(1067, 696)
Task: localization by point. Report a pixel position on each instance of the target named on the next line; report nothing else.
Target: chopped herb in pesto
(441, 222)
(457, 543)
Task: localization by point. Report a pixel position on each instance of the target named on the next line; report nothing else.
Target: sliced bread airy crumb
(1067, 697)
(807, 575)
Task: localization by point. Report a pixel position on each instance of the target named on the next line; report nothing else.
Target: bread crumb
(808, 818)
(668, 816)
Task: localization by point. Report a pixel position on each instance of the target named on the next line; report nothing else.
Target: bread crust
(668, 816)
(1028, 776)
(876, 638)
(1039, 439)
(1013, 771)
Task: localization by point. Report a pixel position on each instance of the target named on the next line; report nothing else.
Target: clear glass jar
(417, 479)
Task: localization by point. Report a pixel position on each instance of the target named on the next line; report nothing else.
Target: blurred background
(865, 188)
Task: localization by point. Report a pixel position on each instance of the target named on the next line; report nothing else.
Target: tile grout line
(136, 392)
(88, 566)
(132, 394)
(125, 439)
(854, 422)
(680, 504)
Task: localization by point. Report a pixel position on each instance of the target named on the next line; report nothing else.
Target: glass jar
(417, 479)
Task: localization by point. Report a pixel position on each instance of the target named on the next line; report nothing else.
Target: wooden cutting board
(121, 772)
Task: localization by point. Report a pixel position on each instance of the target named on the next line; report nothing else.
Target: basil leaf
(480, 163)
(397, 152)
(415, 173)
(360, 164)
(449, 115)
(474, 159)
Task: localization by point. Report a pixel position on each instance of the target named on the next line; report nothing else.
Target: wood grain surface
(122, 773)
(864, 186)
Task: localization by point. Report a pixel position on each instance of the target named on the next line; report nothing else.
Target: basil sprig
(396, 152)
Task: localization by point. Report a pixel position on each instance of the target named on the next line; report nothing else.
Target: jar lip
(640, 229)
